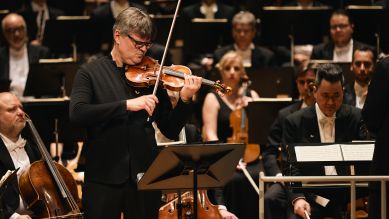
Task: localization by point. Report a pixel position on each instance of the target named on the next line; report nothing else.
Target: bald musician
(15, 152)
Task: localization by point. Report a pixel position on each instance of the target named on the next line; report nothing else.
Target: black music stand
(293, 25)
(192, 167)
(272, 81)
(369, 24)
(204, 36)
(70, 34)
(3, 187)
(261, 114)
(347, 73)
(50, 79)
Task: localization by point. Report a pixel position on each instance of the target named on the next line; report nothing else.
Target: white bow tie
(19, 144)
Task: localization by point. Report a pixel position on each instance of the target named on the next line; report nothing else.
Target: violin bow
(166, 48)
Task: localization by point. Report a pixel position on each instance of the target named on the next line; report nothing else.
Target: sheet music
(318, 153)
(7, 176)
(355, 152)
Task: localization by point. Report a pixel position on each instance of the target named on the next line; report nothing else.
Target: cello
(205, 210)
(47, 187)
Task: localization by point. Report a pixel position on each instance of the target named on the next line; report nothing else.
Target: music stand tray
(192, 167)
(175, 166)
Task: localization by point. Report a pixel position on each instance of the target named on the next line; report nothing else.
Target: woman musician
(216, 126)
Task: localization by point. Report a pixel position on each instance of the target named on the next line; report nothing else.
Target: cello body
(39, 191)
(205, 209)
(47, 187)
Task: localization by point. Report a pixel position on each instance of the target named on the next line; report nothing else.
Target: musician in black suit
(18, 54)
(342, 45)
(36, 13)
(211, 9)
(376, 115)
(118, 118)
(362, 67)
(275, 197)
(327, 121)
(15, 152)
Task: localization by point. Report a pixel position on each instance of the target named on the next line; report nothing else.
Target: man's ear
(116, 36)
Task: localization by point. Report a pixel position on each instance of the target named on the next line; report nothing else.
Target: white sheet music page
(355, 152)
(318, 153)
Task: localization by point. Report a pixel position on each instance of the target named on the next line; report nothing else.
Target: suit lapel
(312, 133)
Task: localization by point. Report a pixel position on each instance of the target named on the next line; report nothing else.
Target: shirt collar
(10, 145)
(320, 114)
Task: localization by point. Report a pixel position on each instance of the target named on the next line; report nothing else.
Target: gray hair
(134, 20)
(245, 17)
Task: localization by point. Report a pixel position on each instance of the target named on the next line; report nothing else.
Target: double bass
(47, 187)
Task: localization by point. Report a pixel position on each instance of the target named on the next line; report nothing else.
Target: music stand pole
(195, 191)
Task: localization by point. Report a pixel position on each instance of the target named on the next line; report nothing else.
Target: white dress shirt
(41, 18)
(18, 70)
(345, 53)
(360, 95)
(245, 54)
(208, 11)
(20, 160)
(117, 8)
(327, 134)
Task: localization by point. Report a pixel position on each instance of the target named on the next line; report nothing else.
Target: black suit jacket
(10, 199)
(269, 155)
(349, 96)
(34, 54)
(193, 11)
(302, 127)
(261, 57)
(376, 115)
(120, 143)
(325, 51)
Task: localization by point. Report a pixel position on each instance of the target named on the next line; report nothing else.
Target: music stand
(70, 34)
(204, 36)
(272, 81)
(293, 25)
(261, 114)
(3, 186)
(50, 78)
(192, 167)
(349, 76)
(369, 23)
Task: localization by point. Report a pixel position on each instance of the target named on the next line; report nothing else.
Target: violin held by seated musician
(145, 74)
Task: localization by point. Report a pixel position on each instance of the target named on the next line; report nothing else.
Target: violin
(145, 74)
(205, 210)
(47, 187)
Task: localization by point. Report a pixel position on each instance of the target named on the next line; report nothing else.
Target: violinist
(118, 117)
(216, 119)
(15, 152)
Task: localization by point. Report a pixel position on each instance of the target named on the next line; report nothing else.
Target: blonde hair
(228, 58)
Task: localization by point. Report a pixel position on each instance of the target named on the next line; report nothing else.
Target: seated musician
(328, 120)
(275, 194)
(15, 152)
(18, 54)
(216, 126)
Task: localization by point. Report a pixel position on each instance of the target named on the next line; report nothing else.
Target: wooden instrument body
(205, 209)
(40, 192)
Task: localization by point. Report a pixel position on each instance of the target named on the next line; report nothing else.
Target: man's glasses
(340, 26)
(15, 29)
(140, 44)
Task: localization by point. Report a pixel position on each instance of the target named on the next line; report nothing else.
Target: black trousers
(102, 201)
